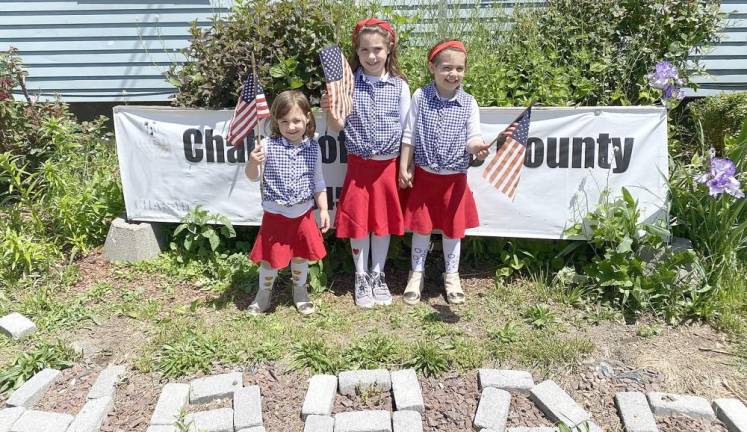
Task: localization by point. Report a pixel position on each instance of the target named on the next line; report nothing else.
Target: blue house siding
(109, 50)
(102, 50)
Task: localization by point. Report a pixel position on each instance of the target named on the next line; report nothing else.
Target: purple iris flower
(721, 178)
(666, 78)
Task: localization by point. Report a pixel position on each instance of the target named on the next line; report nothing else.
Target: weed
(647, 331)
(428, 359)
(193, 351)
(45, 355)
(506, 334)
(315, 356)
(371, 352)
(539, 316)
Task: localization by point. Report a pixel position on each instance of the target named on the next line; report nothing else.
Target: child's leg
(454, 292)
(360, 249)
(451, 248)
(267, 277)
(379, 288)
(299, 274)
(420, 244)
(363, 292)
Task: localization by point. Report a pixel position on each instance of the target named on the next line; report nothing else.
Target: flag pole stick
(257, 128)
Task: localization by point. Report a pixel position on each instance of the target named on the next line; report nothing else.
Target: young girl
(442, 130)
(291, 181)
(369, 209)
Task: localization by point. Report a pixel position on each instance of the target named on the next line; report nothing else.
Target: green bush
(720, 117)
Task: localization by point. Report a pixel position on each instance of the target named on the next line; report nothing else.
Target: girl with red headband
(369, 209)
(442, 131)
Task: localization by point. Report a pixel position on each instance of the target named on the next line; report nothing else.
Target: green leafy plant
(428, 359)
(315, 356)
(196, 237)
(371, 352)
(507, 334)
(45, 355)
(539, 316)
(192, 351)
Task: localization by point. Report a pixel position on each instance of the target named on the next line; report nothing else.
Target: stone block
(320, 397)
(135, 241)
(407, 421)
(8, 416)
(106, 382)
(370, 379)
(214, 387)
(516, 380)
(33, 389)
(533, 429)
(161, 428)
(174, 397)
(667, 404)
(406, 391)
(363, 421)
(317, 423)
(217, 420)
(253, 429)
(558, 405)
(16, 326)
(732, 413)
(635, 413)
(41, 421)
(492, 409)
(92, 415)
(247, 407)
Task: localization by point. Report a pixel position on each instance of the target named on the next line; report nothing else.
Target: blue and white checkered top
(288, 174)
(374, 128)
(440, 135)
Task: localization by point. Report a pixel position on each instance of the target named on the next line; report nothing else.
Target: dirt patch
(68, 393)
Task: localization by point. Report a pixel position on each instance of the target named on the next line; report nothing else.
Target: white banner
(172, 159)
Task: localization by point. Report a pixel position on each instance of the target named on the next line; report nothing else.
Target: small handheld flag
(339, 79)
(251, 107)
(504, 170)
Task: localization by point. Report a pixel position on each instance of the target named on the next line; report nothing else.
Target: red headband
(374, 22)
(457, 45)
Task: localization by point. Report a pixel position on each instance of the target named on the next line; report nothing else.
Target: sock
(420, 245)
(379, 251)
(267, 276)
(360, 253)
(451, 254)
(299, 272)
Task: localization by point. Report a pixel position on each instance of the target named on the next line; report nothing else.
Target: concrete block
(317, 423)
(406, 391)
(320, 397)
(41, 421)
(533, 429)
(363, 421)
(557, 404)
(217, 420)
(174, 397)
(407, 421)
(492, 410)
(106, 382)
(247, 407)
(667, 404)
(132, 242)
(253, 429)
(371, 379)
(732, 413)
(16, 326)
(33, 389)
(92, 415)
(214, 387)
(161, 428)
(8, 416)
(516, 380)
(635, 413)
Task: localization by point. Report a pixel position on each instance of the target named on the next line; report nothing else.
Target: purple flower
(666, 78)
(721, 178)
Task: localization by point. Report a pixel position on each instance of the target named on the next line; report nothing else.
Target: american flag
(339, 79)
(251, 107)
(504, 170)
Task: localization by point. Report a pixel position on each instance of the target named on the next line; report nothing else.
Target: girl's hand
(324, 220)
(325, 102)
(257, 155)
(405, 178)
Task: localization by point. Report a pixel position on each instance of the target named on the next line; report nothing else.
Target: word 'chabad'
(583, 152)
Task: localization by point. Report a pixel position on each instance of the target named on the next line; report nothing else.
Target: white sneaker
(379, 289)
(363, 293)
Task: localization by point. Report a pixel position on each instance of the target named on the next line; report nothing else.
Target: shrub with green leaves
(44, 355)
(200, 234)
(720, 117)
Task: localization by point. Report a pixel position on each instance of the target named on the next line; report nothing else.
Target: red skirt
(370, 200)
(440, 202)
(281, 238)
